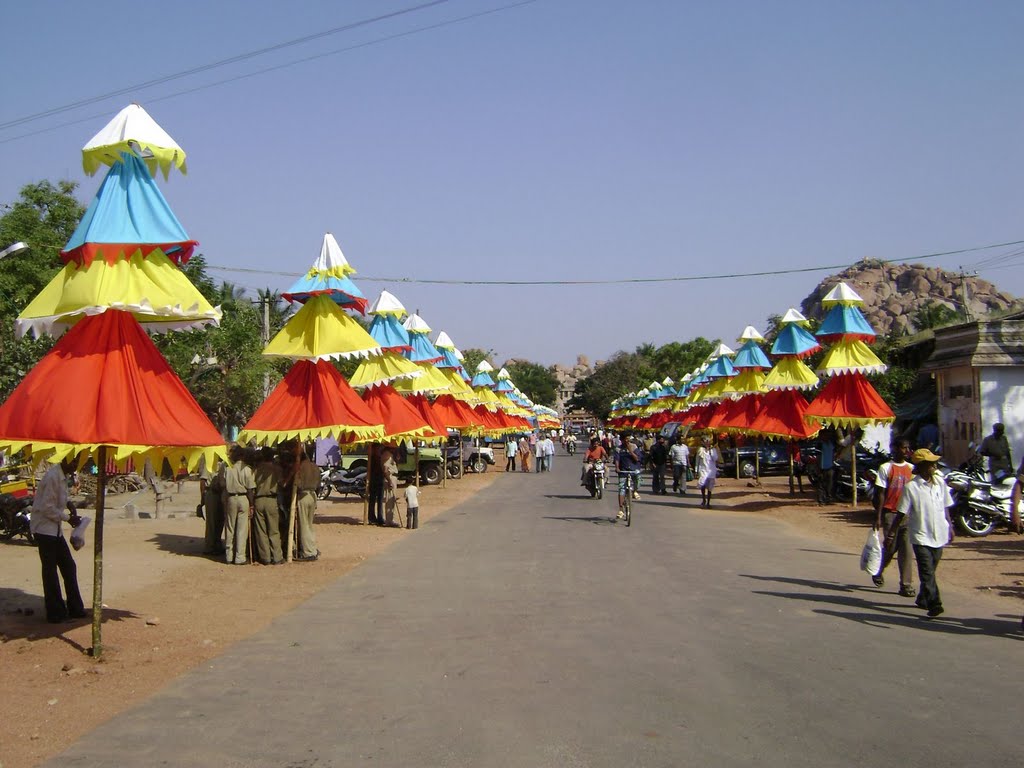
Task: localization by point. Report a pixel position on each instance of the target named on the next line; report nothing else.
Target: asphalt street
(524, 628)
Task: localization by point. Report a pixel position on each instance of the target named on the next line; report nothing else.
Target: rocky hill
(893, 293)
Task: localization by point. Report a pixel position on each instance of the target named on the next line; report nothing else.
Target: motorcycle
(570, 447)
(15, 516)
(594, 481)
(342, 482)
(979, 504)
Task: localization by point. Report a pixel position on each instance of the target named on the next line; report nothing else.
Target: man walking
(890, 481)
(659, 459)
(679, 455)
(926, 501)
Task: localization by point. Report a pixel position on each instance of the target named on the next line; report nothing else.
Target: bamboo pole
(853, 467)
(97, 557)
(293, 503)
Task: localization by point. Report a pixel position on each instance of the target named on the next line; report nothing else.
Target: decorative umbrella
(313, 399)
(848, 399)
(129, 403)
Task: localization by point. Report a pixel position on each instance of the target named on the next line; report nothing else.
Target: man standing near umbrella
(267, 518)
(308, 479)
(50, 509)
(239, 498)
(926, 501)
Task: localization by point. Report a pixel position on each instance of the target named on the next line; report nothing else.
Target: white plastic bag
(871, 555)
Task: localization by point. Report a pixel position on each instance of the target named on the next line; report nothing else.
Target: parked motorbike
(342, 481)
(980, 505)
(14, 517)
(595, 479)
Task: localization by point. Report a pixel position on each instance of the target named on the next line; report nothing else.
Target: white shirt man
(679, 455)
(926, 501)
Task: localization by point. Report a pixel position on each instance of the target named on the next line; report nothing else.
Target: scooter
(342, 481)
(594, 481)
(15, 515)
(979, 505)
(570, 447)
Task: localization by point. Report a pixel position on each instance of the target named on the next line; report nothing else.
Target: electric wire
(284, 65)
(221, 63)
(620, 281)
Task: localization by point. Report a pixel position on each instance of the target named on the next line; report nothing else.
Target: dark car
(771, 457)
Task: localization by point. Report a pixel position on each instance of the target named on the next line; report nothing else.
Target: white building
(979, 377)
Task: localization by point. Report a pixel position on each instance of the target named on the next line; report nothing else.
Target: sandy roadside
(171, 609)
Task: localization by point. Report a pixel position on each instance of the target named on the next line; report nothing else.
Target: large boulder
(893, 293)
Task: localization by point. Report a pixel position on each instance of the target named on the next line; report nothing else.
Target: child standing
(412, 502)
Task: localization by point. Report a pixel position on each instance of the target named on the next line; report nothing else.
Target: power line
(623, 281)
(221, 63)
(285, 65)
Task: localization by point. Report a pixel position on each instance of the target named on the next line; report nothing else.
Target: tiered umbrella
(313, 400)
(452, 405)
(120, 270)
(848, 399)
(784, 407)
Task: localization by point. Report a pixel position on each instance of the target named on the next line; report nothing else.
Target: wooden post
(417, 464)
(853, 466)
(97, 557)
(293, 503)
(789, 450)
(757, 459)
(366, 495)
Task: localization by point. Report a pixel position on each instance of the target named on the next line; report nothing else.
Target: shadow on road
(570, 519)
(878, 614)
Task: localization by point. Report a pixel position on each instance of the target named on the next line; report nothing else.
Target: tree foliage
(536, 381)
(44, 217)
(473, 356)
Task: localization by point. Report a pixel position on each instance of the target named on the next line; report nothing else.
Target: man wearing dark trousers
(659, 459)
(50, 509)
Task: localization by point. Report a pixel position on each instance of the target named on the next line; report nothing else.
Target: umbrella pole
(792, 489)
(97, 559)
(293, 503)
(417, 464)
(757, 459)
(736, 453)
(853, 467)
(366, 494)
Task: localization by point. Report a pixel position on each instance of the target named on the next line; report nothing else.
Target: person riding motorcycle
(594, 453)
(570, 443)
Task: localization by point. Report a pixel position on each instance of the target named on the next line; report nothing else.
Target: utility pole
(963, 296)
(265, 337)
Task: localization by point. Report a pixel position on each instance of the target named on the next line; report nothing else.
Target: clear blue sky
(560, 140)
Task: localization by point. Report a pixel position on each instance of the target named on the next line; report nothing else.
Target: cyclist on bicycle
(627, 462)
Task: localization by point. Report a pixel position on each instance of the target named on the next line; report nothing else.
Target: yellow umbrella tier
(790, 373)
(431, 381)
(153, 289)
(850, 356)
(385, 368)
(322, 331)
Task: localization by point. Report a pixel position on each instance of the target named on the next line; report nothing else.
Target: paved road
(525, 629)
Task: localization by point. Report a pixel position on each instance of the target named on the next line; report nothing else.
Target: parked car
(405, 457)
(771, 457)
(475, 458)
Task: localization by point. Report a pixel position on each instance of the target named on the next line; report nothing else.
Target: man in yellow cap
(926, 501)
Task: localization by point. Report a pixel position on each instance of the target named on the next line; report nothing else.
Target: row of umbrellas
(730, 393)
(104, 392)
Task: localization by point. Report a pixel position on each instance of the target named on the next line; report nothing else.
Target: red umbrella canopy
(453, 412)
(783, 415)
(401, 420)
(849, 400)
(313, 400)
(426, 410)
(740, 415)
(105, 383)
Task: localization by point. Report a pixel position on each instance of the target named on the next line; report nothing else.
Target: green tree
(535, 381)
(620, 374)
(934, 314)
(473, 356)
(44, 217)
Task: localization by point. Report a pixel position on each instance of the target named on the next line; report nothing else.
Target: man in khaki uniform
(211, 486)
(267, 518)
(308, 479)
(239, 493)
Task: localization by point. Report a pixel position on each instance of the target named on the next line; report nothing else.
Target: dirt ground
(169, 608)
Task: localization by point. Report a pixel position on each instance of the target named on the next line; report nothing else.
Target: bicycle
(626, 491)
